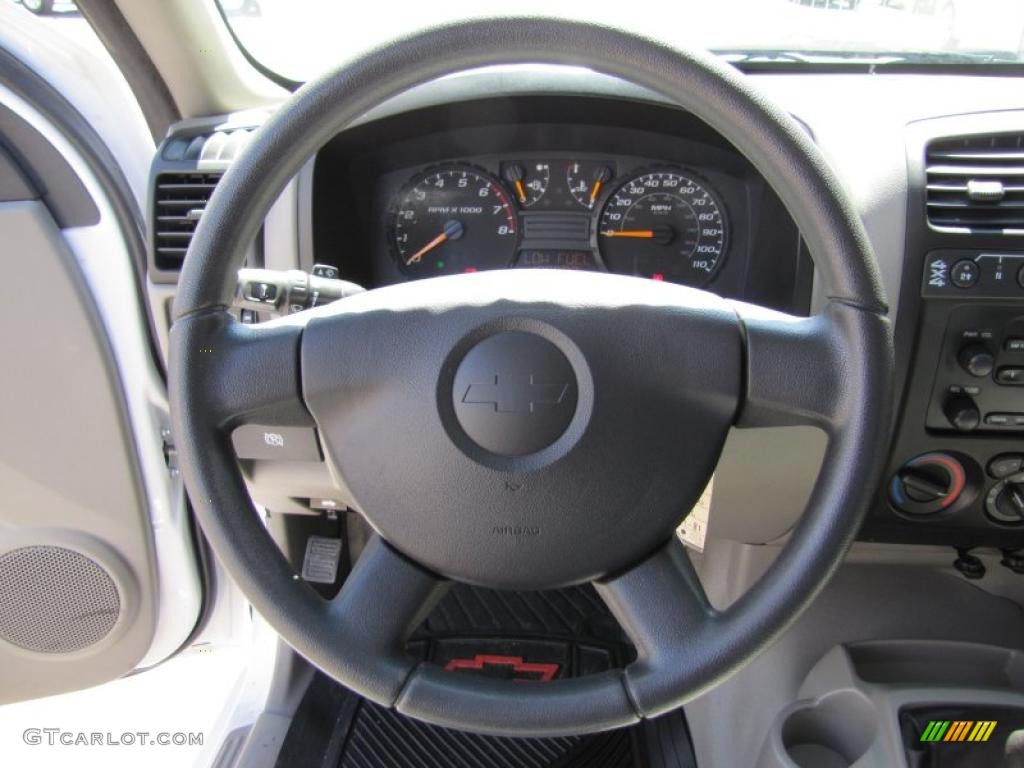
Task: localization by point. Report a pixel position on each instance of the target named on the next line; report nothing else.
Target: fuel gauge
(586, 180)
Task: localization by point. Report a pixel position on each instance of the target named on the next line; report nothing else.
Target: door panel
(76, 559)
(99, 572)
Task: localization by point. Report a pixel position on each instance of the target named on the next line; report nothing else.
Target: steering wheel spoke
(662, 607)
(383, 601)
(799, 370)
(251, 371)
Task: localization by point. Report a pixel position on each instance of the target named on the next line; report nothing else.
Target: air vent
(178, 203)
(976, 184)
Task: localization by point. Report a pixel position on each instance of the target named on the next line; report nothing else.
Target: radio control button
(977, 360)
(962, 413)
(1011, 375)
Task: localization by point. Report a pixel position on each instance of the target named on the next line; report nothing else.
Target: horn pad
(524, 431)
(515, 393)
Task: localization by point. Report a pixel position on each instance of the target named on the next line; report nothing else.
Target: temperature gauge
(586, 180)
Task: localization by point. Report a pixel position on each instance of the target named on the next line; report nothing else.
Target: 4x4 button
(964, 274)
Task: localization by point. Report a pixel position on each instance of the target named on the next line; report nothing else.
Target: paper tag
(320, 565)
(694, 529)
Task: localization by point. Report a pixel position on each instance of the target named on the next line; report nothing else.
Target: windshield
(298, 39)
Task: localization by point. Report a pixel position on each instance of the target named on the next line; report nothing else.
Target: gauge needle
(521, 190)
(628, 233)
(452, 231)
(595, 191)
(663, 235)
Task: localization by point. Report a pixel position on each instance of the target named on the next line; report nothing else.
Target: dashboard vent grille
(976, 184)
(178, 204)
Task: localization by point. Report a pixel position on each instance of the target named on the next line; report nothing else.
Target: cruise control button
(1005, 465)
(265, 292)
(964, 274)
(1010, 375)
(254, 441)
(325, 270)
(326, 505)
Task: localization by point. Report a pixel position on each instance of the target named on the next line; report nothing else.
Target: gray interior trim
(304, 181)
(13, 183)
(48, 172)
(148, 87)
(932, 602)
(220, 80)
(850, 701)
(70, 476)
(95, 156)
(104, 262)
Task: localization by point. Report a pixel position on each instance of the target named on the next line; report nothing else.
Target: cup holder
(834, 731)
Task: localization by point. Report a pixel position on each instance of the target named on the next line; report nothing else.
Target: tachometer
(452, 219)
(663, 225)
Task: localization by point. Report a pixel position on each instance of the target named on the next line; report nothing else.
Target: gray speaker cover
(55, 600)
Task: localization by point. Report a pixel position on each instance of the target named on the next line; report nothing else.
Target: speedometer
(452, 219)
(663, 225)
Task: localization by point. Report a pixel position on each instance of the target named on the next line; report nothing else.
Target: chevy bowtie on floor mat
(536, 636)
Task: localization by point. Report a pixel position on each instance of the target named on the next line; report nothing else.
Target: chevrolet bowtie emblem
(520, 393)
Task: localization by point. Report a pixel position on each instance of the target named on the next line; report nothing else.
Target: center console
(924, 704)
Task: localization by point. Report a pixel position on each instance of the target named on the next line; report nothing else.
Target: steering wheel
(531, 429)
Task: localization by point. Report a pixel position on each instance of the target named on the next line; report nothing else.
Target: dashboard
(573, 171)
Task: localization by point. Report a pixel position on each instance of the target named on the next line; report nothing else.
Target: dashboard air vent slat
(178, 204)
(976, 184)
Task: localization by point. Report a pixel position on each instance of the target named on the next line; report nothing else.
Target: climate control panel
(938, 484)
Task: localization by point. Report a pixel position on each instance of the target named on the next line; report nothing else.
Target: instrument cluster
(625, 215)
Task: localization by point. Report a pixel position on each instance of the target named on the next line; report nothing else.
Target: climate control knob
(927, 484)
(962, 413)
(1005, 500)
(977, 360)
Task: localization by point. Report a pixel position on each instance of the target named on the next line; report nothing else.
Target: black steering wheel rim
(833, 370)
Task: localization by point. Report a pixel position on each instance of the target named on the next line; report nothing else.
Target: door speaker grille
(55, 600)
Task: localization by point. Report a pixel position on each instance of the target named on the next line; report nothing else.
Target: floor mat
(513, 635)
(382, 738)
(522, 635)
